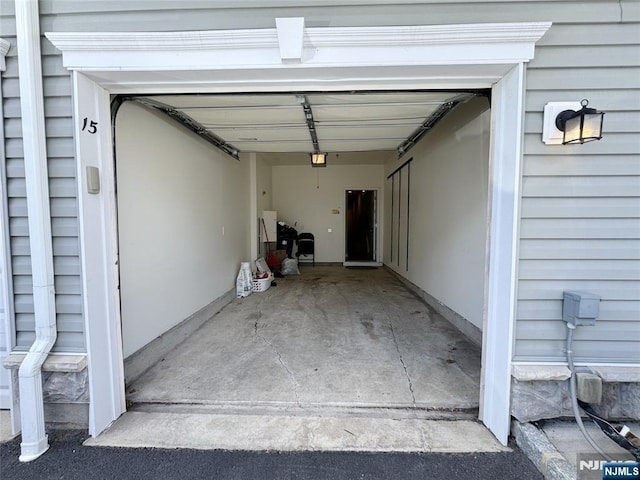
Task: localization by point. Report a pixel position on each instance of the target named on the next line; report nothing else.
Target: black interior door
(361, 225)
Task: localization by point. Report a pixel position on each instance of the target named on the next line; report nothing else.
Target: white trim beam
(455, 56)
(521, 36)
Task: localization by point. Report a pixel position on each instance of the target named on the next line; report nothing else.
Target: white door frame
(292, 57)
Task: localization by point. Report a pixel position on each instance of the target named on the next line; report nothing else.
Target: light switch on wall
(330, 230)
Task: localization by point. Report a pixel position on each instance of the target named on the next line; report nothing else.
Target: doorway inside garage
(362, 225)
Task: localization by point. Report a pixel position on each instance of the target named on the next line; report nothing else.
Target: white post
(500, 289)
(99, 254)
(253, 205)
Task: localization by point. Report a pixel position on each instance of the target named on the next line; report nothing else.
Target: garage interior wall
(182, 218)
(447, 214)
(312, 200)
(264, 188)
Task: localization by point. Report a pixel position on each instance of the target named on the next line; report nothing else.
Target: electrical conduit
(574, 394)
(34, 441)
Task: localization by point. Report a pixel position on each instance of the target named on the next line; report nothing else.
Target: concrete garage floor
(331, 337)
(332, 359)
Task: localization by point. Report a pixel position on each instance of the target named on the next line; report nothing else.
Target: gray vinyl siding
(6, 306)
(142, 15)
(62, 188)
(580, 207)
(580, 213)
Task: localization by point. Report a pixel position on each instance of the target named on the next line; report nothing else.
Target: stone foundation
(543, 398)
(65, 389)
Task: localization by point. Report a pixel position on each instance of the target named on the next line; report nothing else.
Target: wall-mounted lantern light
(570, 122)
(582, 126)
(318, 159)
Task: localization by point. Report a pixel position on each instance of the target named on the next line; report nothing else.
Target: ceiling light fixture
(318, 159)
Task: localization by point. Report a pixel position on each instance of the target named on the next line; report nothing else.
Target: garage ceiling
(343, 122)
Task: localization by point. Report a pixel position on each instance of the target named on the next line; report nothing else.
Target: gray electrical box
(580, 308)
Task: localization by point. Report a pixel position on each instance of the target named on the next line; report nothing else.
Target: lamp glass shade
(318, 159)
(583, 128)
(572, 130)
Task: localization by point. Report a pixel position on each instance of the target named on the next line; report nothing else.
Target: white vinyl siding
(580, 221)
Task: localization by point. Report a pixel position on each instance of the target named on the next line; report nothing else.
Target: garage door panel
(236, 135)
(251, 116)
(274, 146)
(380, 98)
(398, 133)
(204, 101)
(364, 112)
(358, 145)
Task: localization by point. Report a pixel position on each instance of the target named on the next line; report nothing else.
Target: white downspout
(34, 441)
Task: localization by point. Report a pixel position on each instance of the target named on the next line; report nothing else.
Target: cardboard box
(280, 254)
(274, 260)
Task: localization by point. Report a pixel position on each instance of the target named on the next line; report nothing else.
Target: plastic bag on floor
(289, 267)
(244, 281)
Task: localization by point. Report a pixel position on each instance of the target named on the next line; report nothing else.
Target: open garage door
(357, 343)
(415, 57)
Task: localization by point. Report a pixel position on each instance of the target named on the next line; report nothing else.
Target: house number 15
(89, 125)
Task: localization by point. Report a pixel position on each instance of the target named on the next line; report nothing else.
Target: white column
(500, 288)
(99, 254)
(253, 205)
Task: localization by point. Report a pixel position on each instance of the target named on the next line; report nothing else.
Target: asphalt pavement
(68, 458)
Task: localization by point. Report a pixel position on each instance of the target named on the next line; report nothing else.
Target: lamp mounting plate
(551, 135)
